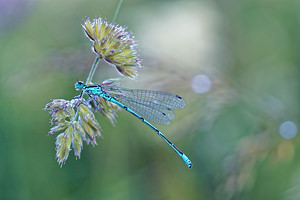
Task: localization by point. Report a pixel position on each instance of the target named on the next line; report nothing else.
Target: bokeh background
(236, 63)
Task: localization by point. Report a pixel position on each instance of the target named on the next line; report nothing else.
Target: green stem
(117, 11)
(92, 71)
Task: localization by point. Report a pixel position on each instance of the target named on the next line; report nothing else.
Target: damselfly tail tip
(187, 161)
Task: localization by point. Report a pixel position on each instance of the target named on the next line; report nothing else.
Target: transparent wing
(155, 99)
(154, 106)
(150, 114)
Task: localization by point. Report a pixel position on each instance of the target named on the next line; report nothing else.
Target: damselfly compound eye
(79, 85)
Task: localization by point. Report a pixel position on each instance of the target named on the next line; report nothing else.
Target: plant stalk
(92, 71)
(117, 11)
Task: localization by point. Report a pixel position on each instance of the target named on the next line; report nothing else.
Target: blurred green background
(236, 63)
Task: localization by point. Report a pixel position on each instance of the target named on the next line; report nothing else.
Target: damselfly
(154, 106)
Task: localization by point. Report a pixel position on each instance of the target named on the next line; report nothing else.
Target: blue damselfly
(154, 106)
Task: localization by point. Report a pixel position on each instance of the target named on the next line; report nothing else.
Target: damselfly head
(79, 85)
